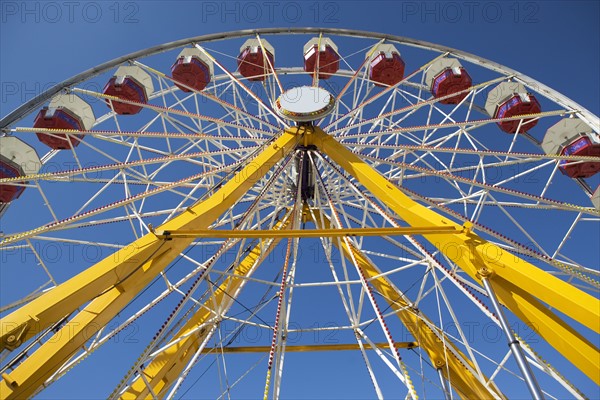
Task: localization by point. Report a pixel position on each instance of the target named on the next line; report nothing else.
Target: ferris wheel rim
(538, 87)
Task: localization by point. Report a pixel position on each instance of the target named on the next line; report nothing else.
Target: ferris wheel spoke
(284, 319)
(488, 187)
(521, 229)
(520, 249)
(380, 122)
(415, 106)
(319, 219)
(466, 125)
(41, 262)
(271, 67)
(245, 88)
(439, 291)
(231, 107)
(566, 384)
(530, 170)
(381, 93)
(208, 127)
(282, 315)
(349, 101)
(396, 355)
(120, 167)
(476, 171)
(498, 155)
(361, 92)
(446, 117)
(46, 202)
(354, 77)
(370, 369)
(401, 375)
(233, 111)
(208, 308)
(167, 111)
(78, 217)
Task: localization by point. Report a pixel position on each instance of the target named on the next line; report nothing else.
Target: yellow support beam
(515, 280)
(300, 233)
(166, 367)
(442, 353)
(308, 348)
(112, 283)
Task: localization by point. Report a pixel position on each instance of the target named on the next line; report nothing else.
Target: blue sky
(556, 43)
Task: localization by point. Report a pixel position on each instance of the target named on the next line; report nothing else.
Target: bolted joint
(467, 228)
(9, 380)
(306, 217)
(165, 235)
(14, 338)
(485, 273)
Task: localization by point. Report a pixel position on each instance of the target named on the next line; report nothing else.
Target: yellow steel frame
(518, 284)
(105, 288)
(112, 283)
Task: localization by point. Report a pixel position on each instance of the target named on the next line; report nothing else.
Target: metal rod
(514, 345)
(314, 347)
(444, 383)
(315, 233)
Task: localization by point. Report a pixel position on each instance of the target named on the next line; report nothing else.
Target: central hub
(305, 104)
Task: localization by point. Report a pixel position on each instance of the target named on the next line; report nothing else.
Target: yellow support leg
(166, 367)
(472, 254)
(113, 282)
(444, 355)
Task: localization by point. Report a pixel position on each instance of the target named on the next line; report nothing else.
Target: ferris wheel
(297, 213)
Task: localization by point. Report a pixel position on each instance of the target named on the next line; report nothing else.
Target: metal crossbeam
(310, 233)
(312, 348)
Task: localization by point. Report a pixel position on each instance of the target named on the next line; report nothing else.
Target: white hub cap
(305, 103)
